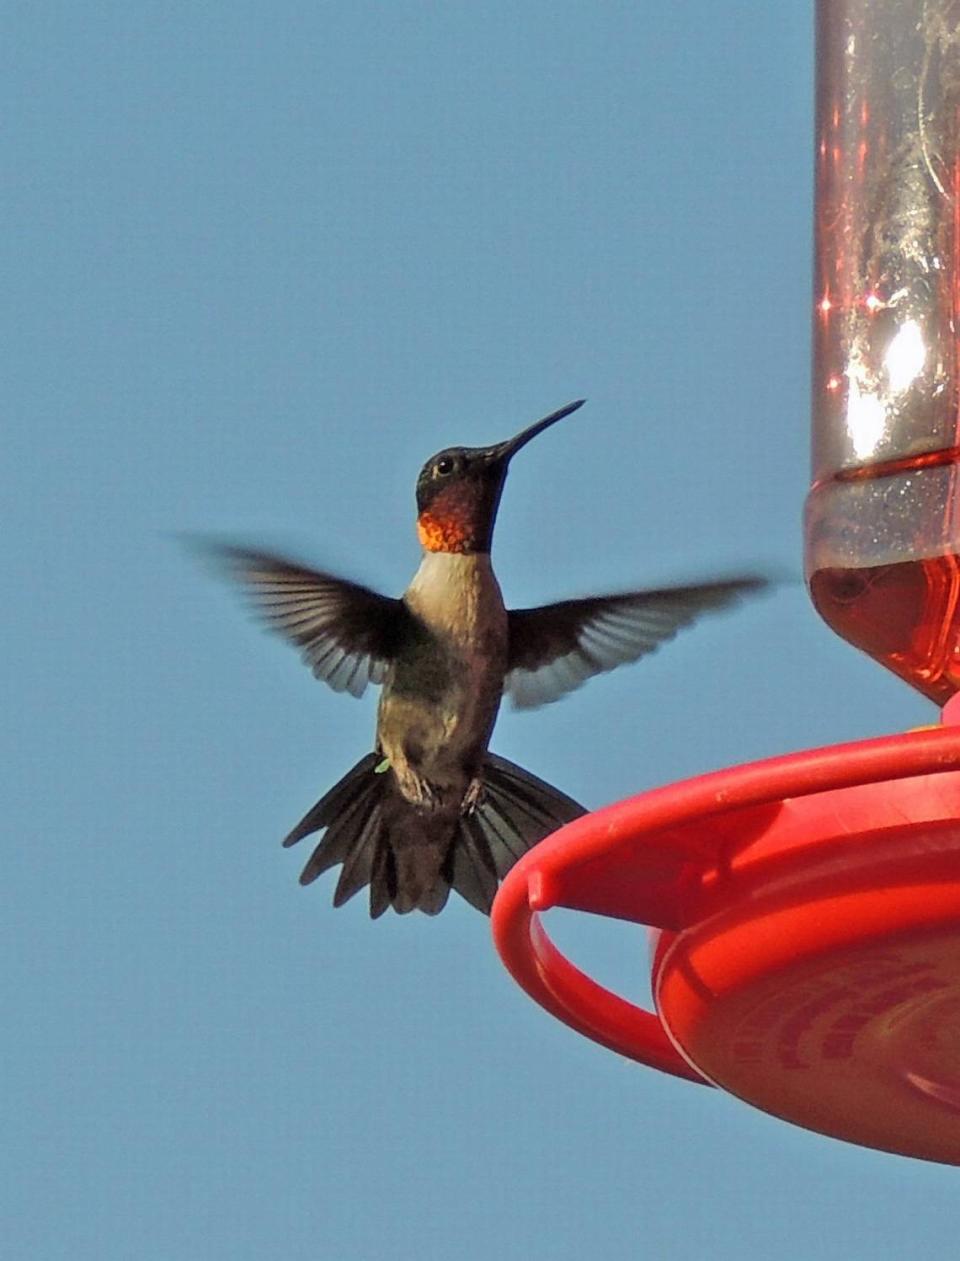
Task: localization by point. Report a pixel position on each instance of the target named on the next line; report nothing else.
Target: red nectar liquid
(883, 548)
(905, 615)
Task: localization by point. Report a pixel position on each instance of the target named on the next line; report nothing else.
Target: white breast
(458, 596)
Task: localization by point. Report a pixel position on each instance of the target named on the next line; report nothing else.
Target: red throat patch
(449, 524)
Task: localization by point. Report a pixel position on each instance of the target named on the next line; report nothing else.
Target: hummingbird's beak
(503, 452)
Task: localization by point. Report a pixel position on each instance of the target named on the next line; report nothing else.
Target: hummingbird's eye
(443, 466)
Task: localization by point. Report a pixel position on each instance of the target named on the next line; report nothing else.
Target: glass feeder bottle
(883, 513)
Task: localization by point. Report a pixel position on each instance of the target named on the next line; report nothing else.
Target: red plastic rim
(644, 860)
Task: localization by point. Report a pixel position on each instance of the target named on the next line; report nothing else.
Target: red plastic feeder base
(808, 953)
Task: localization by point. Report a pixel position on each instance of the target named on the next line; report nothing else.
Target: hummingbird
(430, 808)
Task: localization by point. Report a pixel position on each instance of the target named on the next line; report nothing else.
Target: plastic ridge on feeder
(807, 952)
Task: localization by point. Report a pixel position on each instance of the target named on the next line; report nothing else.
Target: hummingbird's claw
(472, 797)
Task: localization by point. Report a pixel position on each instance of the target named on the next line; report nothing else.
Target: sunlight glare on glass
(865, 419)
(905, 356)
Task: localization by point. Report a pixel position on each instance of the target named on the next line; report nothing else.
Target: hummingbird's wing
(554, 649)
(348, 634)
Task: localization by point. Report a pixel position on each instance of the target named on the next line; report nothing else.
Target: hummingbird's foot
(418, 790)
(472, 797)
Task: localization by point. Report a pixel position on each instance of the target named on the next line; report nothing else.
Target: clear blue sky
(259, 261)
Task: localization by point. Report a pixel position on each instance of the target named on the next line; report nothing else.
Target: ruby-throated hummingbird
(431, 808)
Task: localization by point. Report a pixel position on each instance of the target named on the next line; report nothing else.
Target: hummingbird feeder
(806, 909)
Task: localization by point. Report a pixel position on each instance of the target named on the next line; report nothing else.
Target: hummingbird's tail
(515, 811)
(412, 858)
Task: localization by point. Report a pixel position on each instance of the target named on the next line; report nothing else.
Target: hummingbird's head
(459, 489)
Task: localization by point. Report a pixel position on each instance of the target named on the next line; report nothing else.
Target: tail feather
(473, 871)
(340, 796)
(383, 880)
(429, 896)
(514, 781)
(525, 822)
(338, 843)
(358, 867)
(411, 860)
(504, 841)
(516, 811)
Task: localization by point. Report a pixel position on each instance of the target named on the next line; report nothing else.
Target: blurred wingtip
(210, 549)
